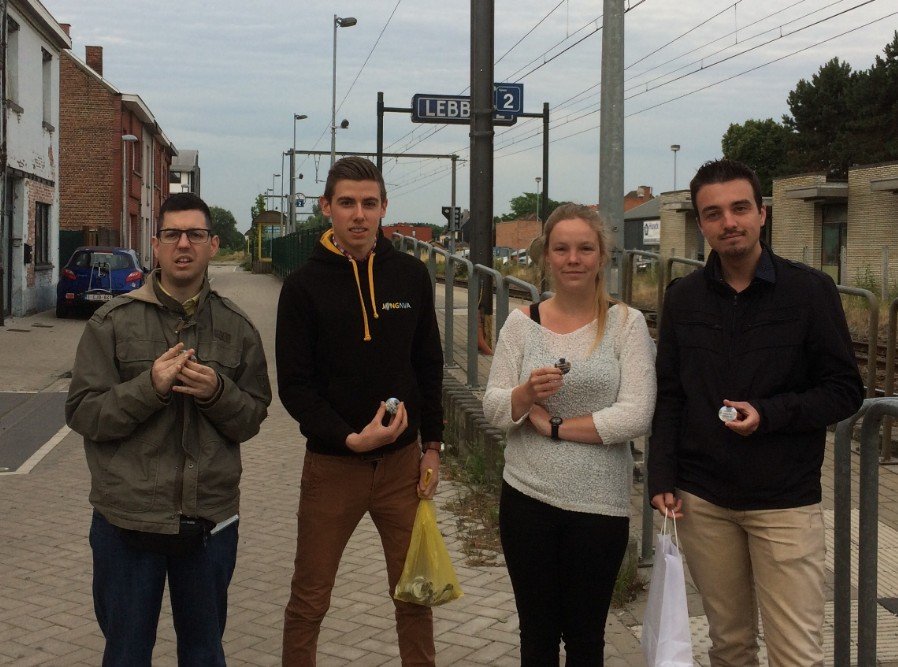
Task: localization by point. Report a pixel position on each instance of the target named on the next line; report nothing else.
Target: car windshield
(83, 260)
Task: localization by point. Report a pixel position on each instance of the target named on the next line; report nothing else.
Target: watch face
(556, 421)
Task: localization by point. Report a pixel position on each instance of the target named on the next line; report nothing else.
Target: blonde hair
(592, 218)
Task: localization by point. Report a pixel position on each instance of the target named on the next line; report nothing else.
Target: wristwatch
(556, 423)
(434, 446)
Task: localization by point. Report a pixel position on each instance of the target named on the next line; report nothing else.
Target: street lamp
(346, 22)
(292, 200)
(675, 148)
(537, 179)
(125, 237)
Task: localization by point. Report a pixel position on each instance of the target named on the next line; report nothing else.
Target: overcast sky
(226, 76)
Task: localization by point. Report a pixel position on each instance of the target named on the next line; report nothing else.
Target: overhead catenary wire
(537, 134)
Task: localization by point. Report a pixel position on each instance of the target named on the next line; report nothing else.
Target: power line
(370, 53)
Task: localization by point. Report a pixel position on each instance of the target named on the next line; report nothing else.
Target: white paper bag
(666, 639)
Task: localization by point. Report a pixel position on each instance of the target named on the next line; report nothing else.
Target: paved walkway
(46, 613)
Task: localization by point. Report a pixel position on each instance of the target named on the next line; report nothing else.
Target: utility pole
(611, 136)
(482, 25)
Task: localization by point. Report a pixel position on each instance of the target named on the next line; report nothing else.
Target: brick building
(29, 183)
(420, 232)
(114, 158)
(841, 226)
(517, 234)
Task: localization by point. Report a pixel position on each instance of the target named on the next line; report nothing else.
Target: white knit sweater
(614, 382)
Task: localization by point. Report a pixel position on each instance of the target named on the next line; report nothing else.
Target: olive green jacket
(152, 459)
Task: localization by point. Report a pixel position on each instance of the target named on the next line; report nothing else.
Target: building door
(833, 240)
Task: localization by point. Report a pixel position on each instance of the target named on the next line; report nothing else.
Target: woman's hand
(542, 383)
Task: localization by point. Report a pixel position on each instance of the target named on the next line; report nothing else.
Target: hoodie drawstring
(371, 284)
(358, 285)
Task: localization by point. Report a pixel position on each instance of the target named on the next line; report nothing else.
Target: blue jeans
(128, 586)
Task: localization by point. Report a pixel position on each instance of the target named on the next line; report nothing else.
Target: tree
(525, 205)
(820, 113)
(761, 144)
(225, 227)
(874, 96)
(317, 217)
(259, 207)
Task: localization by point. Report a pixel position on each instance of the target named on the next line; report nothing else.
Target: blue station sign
(508, 100)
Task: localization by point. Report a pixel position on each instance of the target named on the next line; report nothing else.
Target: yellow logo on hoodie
(396, 305)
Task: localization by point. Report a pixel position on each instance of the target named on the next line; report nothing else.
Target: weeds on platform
(476, 508)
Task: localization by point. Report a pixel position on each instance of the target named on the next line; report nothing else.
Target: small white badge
(727, 413)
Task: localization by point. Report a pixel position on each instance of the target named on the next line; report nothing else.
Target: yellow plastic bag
(428, 577)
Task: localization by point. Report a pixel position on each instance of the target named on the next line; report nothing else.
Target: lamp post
(125, 237)
(537, 179)
(292, 200)
(675, 148)
(346, 22)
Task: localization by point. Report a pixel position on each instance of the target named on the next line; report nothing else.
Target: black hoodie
(352, 334)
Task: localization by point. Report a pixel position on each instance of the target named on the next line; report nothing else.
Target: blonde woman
(572, 382)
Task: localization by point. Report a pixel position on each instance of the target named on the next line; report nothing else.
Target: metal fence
(293, 250)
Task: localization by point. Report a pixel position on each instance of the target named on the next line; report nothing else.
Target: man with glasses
(168, 381)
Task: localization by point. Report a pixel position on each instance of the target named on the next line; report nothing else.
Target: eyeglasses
(195, 236)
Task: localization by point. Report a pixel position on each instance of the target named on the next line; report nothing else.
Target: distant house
(115, 158)
(31, 171)
(642, 226)
(518, 234)
(184, 175)
(420, 232)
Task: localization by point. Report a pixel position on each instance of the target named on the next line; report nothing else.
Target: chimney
(66, 28)
(94, 57)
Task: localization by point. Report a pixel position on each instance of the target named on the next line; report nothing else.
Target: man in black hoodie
(754, 360)
(356, 326)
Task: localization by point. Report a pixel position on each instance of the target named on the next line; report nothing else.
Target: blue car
(93, 275)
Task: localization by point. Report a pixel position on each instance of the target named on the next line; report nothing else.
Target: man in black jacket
(754, 360)
(356, 326)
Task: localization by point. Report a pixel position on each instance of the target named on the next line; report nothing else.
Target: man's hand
(375, 434)
(430, 474)
(197, 380)
(167, 367)
(747, 418)
(539, 417)
(668, 504)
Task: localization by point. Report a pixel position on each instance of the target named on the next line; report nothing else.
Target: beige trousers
(767, 559)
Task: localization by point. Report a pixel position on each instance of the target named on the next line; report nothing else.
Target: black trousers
(562, 566)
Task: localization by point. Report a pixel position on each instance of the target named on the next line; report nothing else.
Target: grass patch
(476, 510)
(630, 582)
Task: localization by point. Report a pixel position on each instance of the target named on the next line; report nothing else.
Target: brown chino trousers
(335, 493)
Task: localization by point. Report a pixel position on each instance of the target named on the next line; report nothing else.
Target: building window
(12, 60)
(47, 72)
(833, 240)
(42, 233)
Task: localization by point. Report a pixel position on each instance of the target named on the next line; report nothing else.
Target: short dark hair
(721, 171)
(353, 168)
(185, 201)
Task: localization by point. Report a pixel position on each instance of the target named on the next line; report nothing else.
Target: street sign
(509, 98)
(449, 109)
